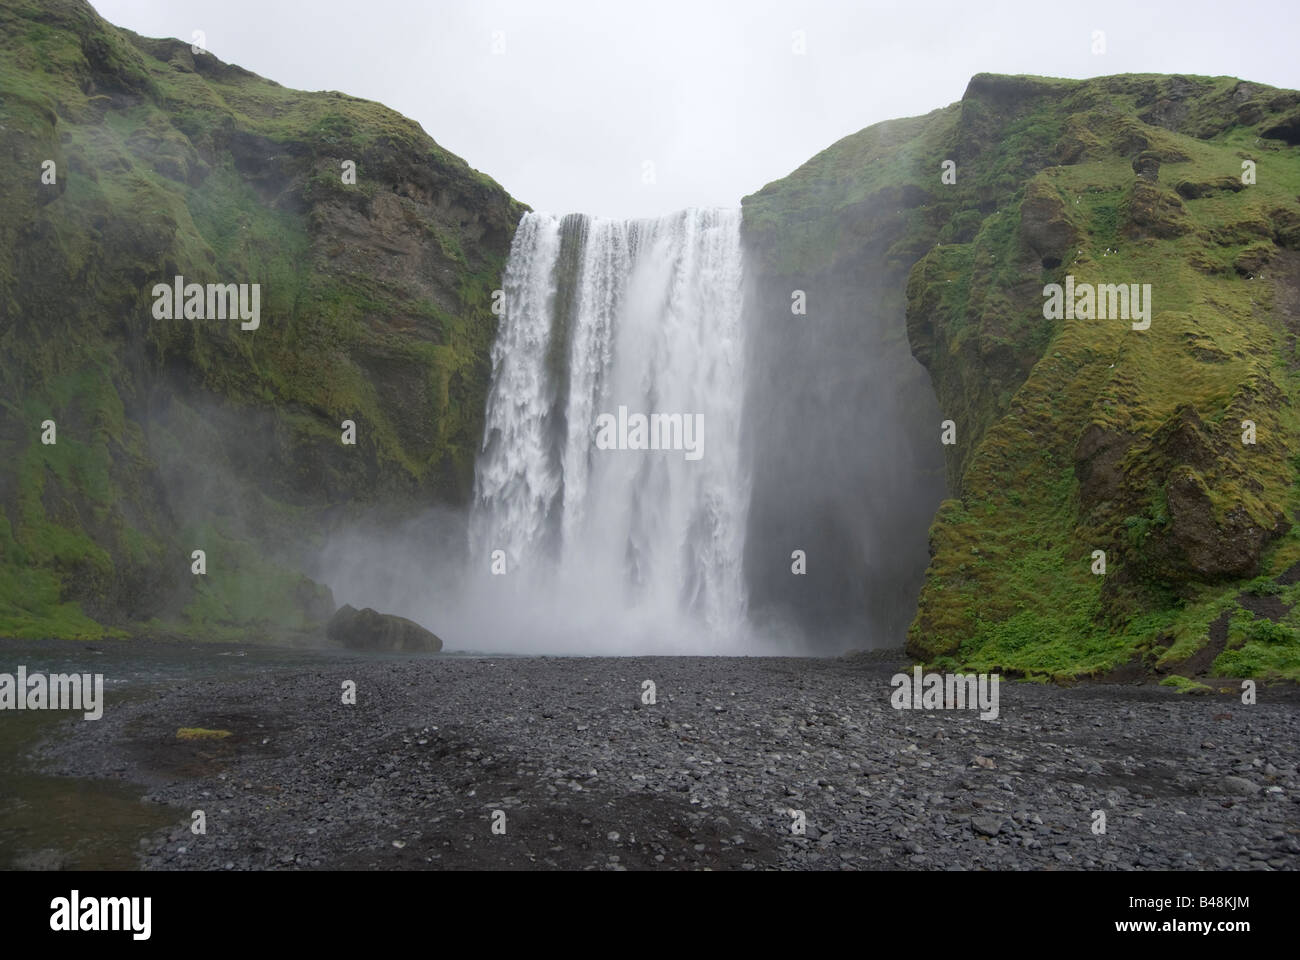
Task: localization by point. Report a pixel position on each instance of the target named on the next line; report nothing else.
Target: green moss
(201, 733)
(171, 163)
(1046, 185)
(1184, 685)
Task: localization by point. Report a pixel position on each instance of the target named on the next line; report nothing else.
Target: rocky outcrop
(379, 632)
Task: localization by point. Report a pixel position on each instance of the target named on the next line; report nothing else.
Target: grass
(1184, 685)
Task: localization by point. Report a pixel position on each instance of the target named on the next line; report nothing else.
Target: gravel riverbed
(587, 776)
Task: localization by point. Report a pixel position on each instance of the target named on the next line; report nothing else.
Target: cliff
(129, 161)
(1076, 434)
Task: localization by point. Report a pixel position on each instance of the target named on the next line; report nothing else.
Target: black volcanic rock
(377, 632)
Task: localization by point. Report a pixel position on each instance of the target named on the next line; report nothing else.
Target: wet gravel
(440, 754)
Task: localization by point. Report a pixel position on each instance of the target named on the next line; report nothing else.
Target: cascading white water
(614, 550)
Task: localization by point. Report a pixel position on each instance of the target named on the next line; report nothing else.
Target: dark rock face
(841, 422)
(1192, 540)
(1212, 550)
(1147, 166)
(1195, 190)
(1288, 129)
(1045, 230)
(379, 632)
(1099, 465)
(1154, 212)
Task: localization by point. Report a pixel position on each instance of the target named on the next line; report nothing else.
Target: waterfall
(617, 336)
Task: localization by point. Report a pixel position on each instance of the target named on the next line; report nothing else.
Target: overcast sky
(565, 102)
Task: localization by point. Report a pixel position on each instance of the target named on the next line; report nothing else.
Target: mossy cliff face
(175, 435)
(1077, 435)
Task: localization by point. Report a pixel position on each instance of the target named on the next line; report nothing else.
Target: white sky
(709, 91)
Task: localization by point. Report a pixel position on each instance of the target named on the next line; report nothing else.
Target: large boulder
(379, 632)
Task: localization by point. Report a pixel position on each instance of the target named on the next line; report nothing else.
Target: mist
(801, 528)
